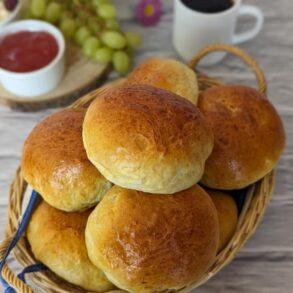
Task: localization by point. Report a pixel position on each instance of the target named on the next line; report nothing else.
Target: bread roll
(167, 74)
(57, 240)
(227, 214)
(55, 164)
(151, 243)
(144, 138)
(249, 136)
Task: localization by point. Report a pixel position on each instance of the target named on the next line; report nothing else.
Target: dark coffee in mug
(208, 6)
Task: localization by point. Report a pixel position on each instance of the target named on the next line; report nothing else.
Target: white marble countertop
(265, 264)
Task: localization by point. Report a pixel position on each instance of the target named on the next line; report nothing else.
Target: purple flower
(148, 12)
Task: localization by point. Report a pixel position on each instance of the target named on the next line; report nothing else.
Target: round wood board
(81, 76)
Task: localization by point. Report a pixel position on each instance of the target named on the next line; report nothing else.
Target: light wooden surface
(265, 265)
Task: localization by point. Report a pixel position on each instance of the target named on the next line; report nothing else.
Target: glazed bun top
(55, 164)
(249, 136)
(144, 138)
(167, 74)
(57, 239)
(150, 242)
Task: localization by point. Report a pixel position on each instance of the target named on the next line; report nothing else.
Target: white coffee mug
(194, 30)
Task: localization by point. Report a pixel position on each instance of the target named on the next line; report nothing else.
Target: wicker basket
(257, 198)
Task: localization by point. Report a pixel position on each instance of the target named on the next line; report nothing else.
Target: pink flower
(148, 12)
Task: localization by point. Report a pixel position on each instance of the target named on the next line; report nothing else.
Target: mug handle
(255, 12)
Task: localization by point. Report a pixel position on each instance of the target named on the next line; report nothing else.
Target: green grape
(94, 25)
(103, 55)
(53, 12)
(68, 27)
(107, 11)
(121, 62)
(97, 3)
(27, 14)
(114, 40)
(133, 39)
(112, 24)
(38, 8)
(81, 35)
(90, 46)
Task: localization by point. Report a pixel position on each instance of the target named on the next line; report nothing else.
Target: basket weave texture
(257, 198)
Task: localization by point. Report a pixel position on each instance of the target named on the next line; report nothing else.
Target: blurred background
(266, 262)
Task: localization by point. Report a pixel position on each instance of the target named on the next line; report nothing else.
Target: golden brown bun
(167, 74)
(227, 214)
(144, 138)
(249, 136)
(55, 164)
(57, 240)
(150, 243)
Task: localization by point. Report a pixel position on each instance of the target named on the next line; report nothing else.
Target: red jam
(27, 51)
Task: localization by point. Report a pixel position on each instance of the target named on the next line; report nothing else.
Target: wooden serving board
(81, 76)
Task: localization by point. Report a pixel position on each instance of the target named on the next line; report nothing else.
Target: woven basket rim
(257, 198)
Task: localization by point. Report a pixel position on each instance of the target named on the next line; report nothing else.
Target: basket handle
(8, 279)
(237, 52)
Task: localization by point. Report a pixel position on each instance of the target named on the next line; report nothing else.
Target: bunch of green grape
(91, 24)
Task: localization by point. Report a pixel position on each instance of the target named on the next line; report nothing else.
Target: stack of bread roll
(122, 205)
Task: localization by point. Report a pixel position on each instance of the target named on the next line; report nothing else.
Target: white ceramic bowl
(43, 80)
